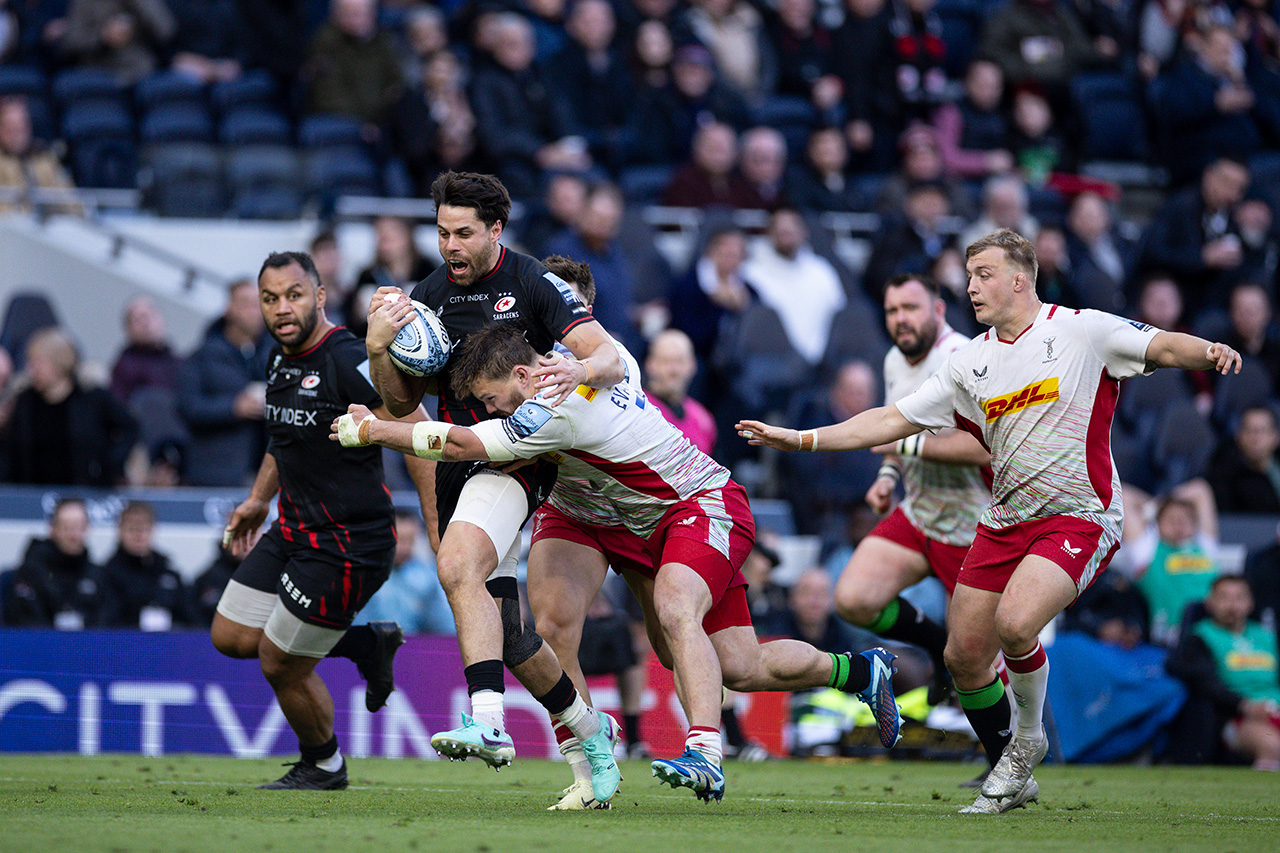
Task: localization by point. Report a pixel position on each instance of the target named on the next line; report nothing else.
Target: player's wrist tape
(912, 445)
(591, 374)
(809, 439)
(889, 470)
(352, 434)
(429, 438)
(362, 431)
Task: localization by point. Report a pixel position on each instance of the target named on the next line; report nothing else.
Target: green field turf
(210, 805)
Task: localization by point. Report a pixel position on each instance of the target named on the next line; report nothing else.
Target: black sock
(358, 643)
(908, 625)
(988, 711)
(485, 675)
(849, 672)
(631, 727)
(732, 731)
(559, 697)
(315, 754)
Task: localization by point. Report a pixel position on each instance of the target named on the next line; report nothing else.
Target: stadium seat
(1143, 402)
(23, 80)
(81, 84)
(256, 87)
(1112, 118)
(99, 133)
(255, 124)
(329, 131)
(764, 368)
(27, 313)
(265, 182)
(1235, 392)
(857, 332)
(185, 179)
(177, 122)
(960, 23)
(1184, 441)
(165, 87)
(156, 411)
(644, 184)
(268, 203)
(342, 171)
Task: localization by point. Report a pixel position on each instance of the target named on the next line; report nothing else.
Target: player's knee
(963, 659)
(1016, 632)
(230, 639)
(854, 608)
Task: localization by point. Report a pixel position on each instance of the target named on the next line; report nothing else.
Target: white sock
(486, 709)
(1029, 679)
(332, 763)
(706, 741)
(580, 718)
(571, 748)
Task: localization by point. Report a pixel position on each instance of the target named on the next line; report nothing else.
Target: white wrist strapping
(349, 431)
(912, 445)
(890, 470)
(429, 438)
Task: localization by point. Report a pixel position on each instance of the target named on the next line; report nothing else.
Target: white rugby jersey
(944, 501)
(631, 456)
(1042, 404)
(573, 494)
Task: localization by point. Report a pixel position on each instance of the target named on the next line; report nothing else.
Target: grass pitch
(210, 805)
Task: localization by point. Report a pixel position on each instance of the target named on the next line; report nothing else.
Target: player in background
(1039, 390)
(293, 598)
(479, 510)
(695, 521)
(931, 530)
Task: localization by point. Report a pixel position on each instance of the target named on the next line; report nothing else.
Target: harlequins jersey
(331, 497)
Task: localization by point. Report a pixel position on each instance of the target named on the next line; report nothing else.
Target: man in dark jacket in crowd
(140, 589)
(56, 586)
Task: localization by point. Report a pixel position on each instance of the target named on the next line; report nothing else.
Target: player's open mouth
(286, 328)
(457, 267)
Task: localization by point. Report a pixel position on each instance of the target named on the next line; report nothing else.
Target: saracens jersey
(331, 497)
(943, 501)
(574, 493)
(632, 457)
(1042, 404)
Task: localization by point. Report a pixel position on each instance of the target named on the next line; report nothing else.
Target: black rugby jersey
(331, 497)
(519, 290)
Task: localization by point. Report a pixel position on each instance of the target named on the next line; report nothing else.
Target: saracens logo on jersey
(506, 303)
(310, 381)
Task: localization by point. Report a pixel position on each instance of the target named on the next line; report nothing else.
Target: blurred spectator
(1259, 242)
(865, 63)
(1245, 472)
(806, 57)
(1004, 205)
(1194, 238)
(921, 164)
(669, 369)
(911, 242)
(767, 600)
(1039, 147)
(1111, 610)
(711, 177)
(1230, 659)
(1252, 332)
(273, 34)
(397, 260)
(432, 127)
(65, 433)
(147, 361)
(1054, 282)
(919, 53)
(1159, 303)
(973, 133)
(9, 41)
(426, 33)
(523, 123)
(206, 589)
(1262, 568)
(1161, 25)
(735, 34)
(1175, 555)
(795, 281)
(56, 584)
(412, 596)
(591, 73)
(548, 21)
(222, 393)
(652, 50)
(1207, 104)
(822, 183)
(667, 119)
(353, 68)
(823, 492)
(712, 291)
(559, 210)
(1101, 258)
(593, 240)
(811, 616)
(209, 44)
(8, 395)
(1043, 42)
(327, 254)
(139, 587)
(125, 37)
(764, 164)
(25, 164)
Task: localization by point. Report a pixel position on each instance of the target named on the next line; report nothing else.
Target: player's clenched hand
(346, 428)
(880, 496)
(389, 311)
(242, 528)
(757, 433)
(1225, 359)
(558, 376)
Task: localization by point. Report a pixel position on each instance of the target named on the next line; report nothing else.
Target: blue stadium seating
(1112, 118)
(186, 180)
(100, 135)
(265, 182)
(342, 171)
(329, 131)
(252, 87)
(166, 87)
(23, 80)
(177, 122)
(81, 84)
(255, 124)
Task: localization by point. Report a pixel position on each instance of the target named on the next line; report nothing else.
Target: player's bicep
(532, 430)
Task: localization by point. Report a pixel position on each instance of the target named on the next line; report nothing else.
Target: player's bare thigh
(563, 579)
(738, 651)
(878, 570)
(642, 589)
(1038, 591)
(233, 639)
(467, 554)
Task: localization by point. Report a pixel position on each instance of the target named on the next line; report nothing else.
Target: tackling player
(694, 520)
(1039, 390)
(291, 601)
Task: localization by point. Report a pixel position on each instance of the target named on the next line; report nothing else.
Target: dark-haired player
(480, 510)
(293, 598)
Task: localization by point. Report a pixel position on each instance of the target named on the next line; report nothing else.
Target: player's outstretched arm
(950, 446)
(1176, 349)
(425, 439)
(863, 430)
(389, 311)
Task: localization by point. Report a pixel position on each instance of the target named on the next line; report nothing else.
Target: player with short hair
(293, 598)
(930, 531)
(1039, 390)
(694, 520)
(479, 510)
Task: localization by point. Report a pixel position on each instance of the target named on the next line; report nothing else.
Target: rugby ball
(422, 345)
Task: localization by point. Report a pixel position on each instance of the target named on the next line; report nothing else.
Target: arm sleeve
(1120, 343)
(933, 404)
(555, 303)
(535, 428)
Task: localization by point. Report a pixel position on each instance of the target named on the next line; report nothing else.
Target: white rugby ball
(422, 345)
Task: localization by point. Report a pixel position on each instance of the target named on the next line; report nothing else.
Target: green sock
(839, 671)
(886, 620)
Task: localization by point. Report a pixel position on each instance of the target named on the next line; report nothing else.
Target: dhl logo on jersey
(1035, 394)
